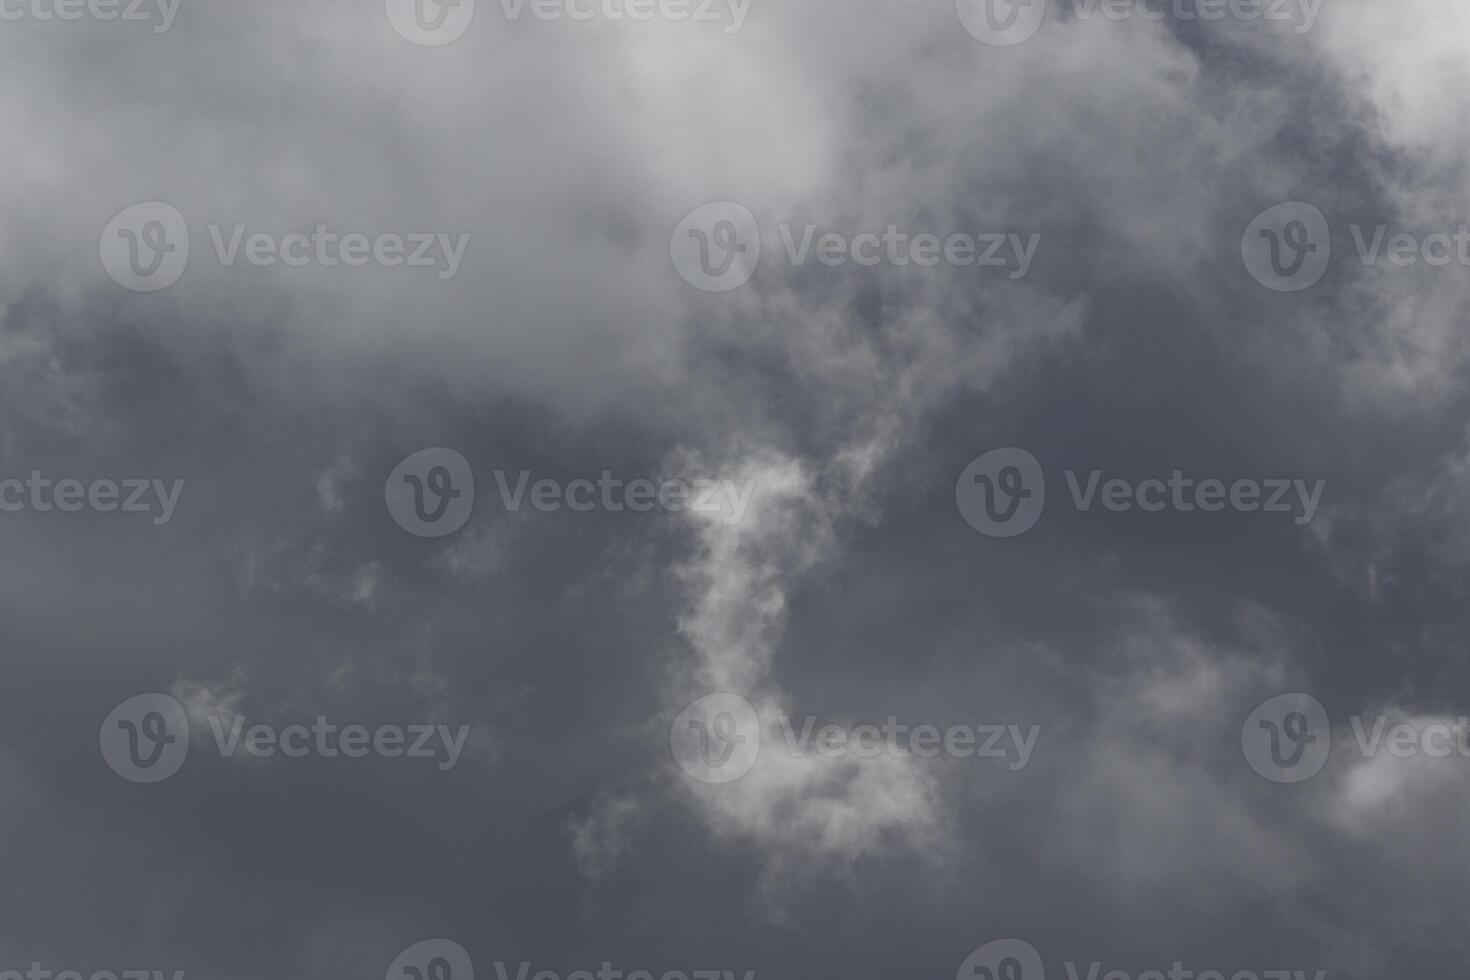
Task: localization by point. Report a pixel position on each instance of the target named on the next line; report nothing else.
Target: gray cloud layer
(851, 590)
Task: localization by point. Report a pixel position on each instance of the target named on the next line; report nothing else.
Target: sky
(766, 489)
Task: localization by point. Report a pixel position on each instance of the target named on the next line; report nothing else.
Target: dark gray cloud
(848, 589)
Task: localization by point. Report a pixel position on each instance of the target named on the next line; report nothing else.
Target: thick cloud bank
(736, 655)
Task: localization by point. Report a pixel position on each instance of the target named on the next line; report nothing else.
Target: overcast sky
(800, 266)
